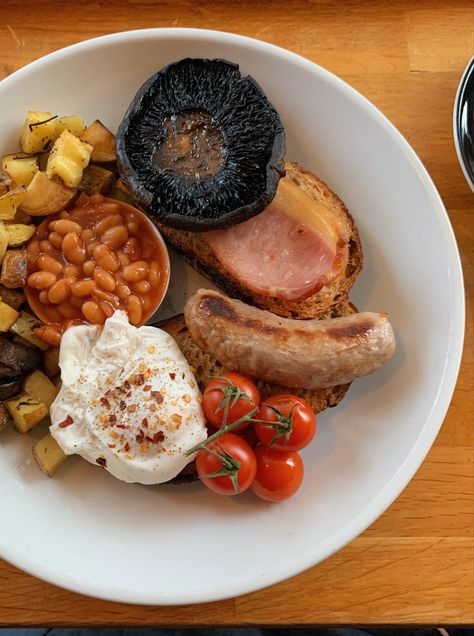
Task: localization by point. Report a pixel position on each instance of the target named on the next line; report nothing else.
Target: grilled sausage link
(308, 354)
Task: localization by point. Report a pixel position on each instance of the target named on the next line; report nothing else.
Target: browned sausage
(308, 354)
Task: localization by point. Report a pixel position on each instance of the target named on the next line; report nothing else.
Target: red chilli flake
(156, 395)
(172, 376)
(111, 445)
(112, 419)
(101, 461)
(140, 437)
(122, 405)
(126, 447)
(147, 387)
(67, 422)
(126, 385)
(121, 426)
(158, 437)
(145, 422)
(104, 401)
(149, 439)
(140, 379)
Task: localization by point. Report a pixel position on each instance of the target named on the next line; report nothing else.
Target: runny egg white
(129, 401)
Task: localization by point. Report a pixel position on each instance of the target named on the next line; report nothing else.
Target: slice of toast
(194, 249)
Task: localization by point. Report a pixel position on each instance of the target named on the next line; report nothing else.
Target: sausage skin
(307, 354)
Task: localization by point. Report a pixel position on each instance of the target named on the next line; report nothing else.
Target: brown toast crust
(195, 250)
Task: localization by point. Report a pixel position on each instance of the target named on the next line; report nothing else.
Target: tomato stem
(226, 428)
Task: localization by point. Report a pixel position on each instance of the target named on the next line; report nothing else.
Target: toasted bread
(195, 250)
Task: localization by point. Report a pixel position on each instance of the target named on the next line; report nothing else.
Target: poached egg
(129, 401)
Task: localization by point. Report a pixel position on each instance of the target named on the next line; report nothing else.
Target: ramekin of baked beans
(88, 261)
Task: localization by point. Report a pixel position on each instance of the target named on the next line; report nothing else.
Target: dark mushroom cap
(252, 133)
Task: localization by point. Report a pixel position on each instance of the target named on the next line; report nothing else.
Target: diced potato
(25, 326)
(14, 269)
(4, 239)
(73, 123)
(21, 341)
(40, 387)
(9, 203)
(12, 297)
(51, 361)
(8, 316)
(48, 454)
(5, 181)
(96, 179)
(102, 140)
(21, 169)
(19, 233)
(46, 196)
(5, 418)
(26, 412)
(39, 131)
(68, 158)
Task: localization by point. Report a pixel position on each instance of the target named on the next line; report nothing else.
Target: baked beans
(86, 262)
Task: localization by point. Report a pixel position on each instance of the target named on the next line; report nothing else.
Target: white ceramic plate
(87, 532)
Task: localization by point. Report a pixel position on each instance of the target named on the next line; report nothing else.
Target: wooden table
(415, 564)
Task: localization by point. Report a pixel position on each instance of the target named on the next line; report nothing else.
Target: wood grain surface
(415, 564)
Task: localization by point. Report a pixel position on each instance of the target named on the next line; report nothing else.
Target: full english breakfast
(228, 391)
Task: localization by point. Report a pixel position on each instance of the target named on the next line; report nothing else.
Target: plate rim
(432, 424)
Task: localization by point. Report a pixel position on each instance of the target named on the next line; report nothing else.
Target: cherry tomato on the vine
(291, 422)
(227, 466)
(232, 393)
(279, 474)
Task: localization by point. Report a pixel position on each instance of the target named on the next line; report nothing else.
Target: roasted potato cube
(5, 418)
(25, 326)
(26, 412)
(21, 169)
(8, 316)
(102, 140)
(4, 239)
(73, 123)
(48, 454)
(40, 387)
(39, 131)
(96, 179)
(46, 196)
(5, 181)
(12, 297)
(68, 158)
(9, 203)
(14, 269)
(19, 233)
(51, 361)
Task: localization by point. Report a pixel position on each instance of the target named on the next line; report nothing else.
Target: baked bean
(64, 215)
(90, 248)
(73, 249)
(32, 253)
(43, 297)
(122, 291)
(41, 280)
(56, 240)
(105, 257)
(123, 259)
(104, 279)
(88, 268)
(66, 226)
(106, 308)
(110, 207)
(46, 247)
(115, 236)
(49, 264)
(154, 275)
(135, 271)
(87, 235)
(69, 311)
(107, 223)
(49, 334)
(72, 270)
(60, 291)
(133, 227)
(82, 288)
(93, 313)
(134, 309)
(142, 287)
(99, 294)
(132, 248)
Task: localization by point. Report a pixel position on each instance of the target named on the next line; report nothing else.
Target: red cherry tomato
(234, 389)
(292, 422)
(231, 456)
(279, 474)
